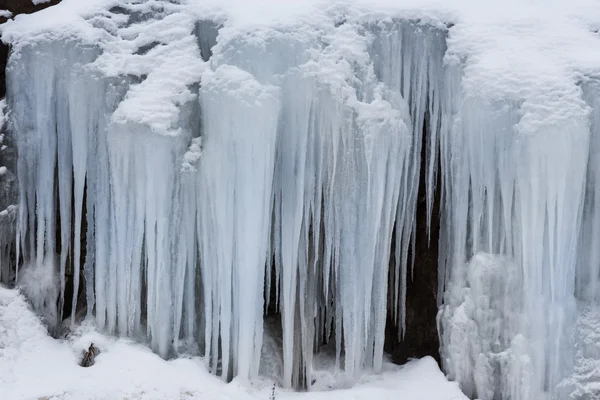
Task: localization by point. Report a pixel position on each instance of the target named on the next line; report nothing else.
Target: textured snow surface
(34, 366)
(212, 138)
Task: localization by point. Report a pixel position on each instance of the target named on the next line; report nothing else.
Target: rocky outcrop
(88, 357)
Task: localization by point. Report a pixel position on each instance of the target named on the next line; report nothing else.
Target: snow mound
(34, 366)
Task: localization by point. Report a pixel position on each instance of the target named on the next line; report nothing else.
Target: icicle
(236, 171)
(83, 122)
(408, 60)
(8, 200)
(37, 142)
(65, 181)
(513, 186)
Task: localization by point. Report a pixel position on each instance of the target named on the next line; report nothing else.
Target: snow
(191, 157)
(33, 365)
(5, 14)
(3, 170)
(216, 137)
(584, 382)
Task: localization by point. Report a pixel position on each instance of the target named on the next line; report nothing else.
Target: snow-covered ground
(35, 366)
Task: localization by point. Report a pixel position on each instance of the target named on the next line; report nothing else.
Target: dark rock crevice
(421, 336)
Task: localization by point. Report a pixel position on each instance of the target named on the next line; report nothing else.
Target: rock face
(421, 337)
(16, 7)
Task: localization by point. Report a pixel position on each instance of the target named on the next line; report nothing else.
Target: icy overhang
(529, 53)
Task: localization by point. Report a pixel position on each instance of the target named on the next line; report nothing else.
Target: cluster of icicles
(290, 180)
(292, 167)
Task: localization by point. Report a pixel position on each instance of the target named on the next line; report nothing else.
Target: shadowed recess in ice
(196, 173)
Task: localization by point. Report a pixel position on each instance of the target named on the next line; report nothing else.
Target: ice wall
(193, 171)
(588, 263)
(514, 186)
(325, 206)
(271, 162)
(582, 383)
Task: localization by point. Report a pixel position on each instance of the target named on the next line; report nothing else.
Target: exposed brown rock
(88, 357)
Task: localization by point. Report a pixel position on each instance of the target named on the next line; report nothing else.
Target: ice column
(514, 186)
(236, 175)
(48, 80)
(407, 58)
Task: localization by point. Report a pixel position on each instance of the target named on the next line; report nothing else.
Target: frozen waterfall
(192, 174)
(303, 164)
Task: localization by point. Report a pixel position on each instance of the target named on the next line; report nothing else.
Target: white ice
(297, 147)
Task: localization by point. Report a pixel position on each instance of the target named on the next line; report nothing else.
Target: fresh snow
(33, 366)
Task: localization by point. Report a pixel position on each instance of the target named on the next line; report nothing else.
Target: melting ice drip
(203, 175)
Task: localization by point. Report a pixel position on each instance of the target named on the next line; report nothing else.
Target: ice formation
(300, 165)
(8, 198)
(188, 165)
